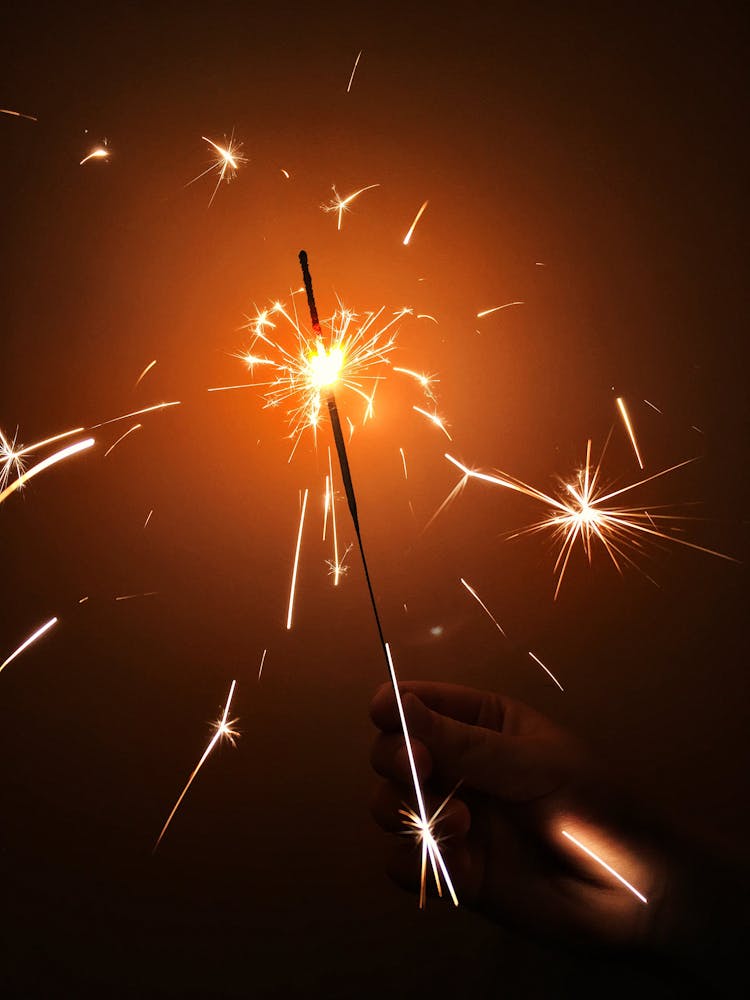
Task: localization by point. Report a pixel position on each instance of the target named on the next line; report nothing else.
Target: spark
(579, 511)
(222, 730)
(494, 309)
(629, 428)
(284, 172)
(18, 114)
(12, 455)
(351, 78)
(424, 836)
(148, 518)
(429, 844)
(227, 162)
(427, 316)
(145, 371)
(83, 600)
(337, 565)
(546, 669)
(426, 381)
(131, 597)
(403, 461)
(305, 365)
(97, 153)
(326, 505)
(136, 413)
(27, 642)
(341, 205)
(649, 403)
(417, 217)
(600, 861)
(262, 661)
(72, 449)
(293, 586)
(435, 420)
(135, 427)
(481, 603)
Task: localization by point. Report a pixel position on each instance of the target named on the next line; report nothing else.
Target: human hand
(514, 836)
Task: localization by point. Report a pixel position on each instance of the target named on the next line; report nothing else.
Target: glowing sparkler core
(227, 162)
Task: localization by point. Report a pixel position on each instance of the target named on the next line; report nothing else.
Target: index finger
(464, 704)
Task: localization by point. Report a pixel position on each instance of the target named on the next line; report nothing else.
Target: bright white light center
(325, 366)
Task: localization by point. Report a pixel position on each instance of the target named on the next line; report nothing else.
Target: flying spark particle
(403, 460)
(600, 861)
(341, 205)
(629, 428)
(131, 597)
(136, 413)
(18, 114)
(262, 661)
(546, 670)
(649, 403)
(145, 372)
(148, 518)
(481, 603)
(417, 217)
(494, 309)
(27, 642)
(227, 162)
(122, 437)
(285, 172)
(293, 587)
(435, 419)
(351, 78)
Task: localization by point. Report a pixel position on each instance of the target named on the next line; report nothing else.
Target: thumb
(508, 767)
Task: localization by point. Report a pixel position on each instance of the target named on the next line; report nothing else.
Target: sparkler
(417, 217)
(27, 642)
(430, 848)
(227, 162)
(341, 205)
(583, 509)
(222, 730)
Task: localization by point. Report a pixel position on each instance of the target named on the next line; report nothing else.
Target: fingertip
(381, 705)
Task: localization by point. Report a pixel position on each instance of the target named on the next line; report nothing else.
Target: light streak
(97, 153)
(145, 372)
(27, 642)
(131, 597)
(429, 844)
(262, 661)
(227, 162)
(293, 586)
(148, 518)
(545, 669)
(609, 868)
(18, 114)
(223, 729)
(649, 403)
(341, 205)
(417, 217)
(336, 563)
(284, 172)
(59, 456)
(326, 505)
(12, 455)
(351, 78)
(122, 437)
(427, 316)
(403, 460)
(494, 309)
(629, 428)
(136, 413)
(481, 603)
(435, 420)
(579, 511)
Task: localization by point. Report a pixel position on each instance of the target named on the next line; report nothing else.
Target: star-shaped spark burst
(341, 205)
(583, 509)
(11, 459)
(227, 161)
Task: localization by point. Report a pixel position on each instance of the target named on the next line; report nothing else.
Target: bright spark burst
(435, 419)
(583, 509)
(609, 868)
(58, 456)
(227, 162)
(27, 642)
(417, 217)
(222, 730)
(307, 367)
(629, 428)
(341, 205)
(97, 153)
(426, 381)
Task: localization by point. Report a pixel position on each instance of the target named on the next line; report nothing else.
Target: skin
(522, 780)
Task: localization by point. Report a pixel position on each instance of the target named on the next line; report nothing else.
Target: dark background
(608, 146)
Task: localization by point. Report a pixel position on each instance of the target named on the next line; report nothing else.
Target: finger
(510, 767)
(389, 801)
(405, 868)
(390, 759)
(464, 704)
